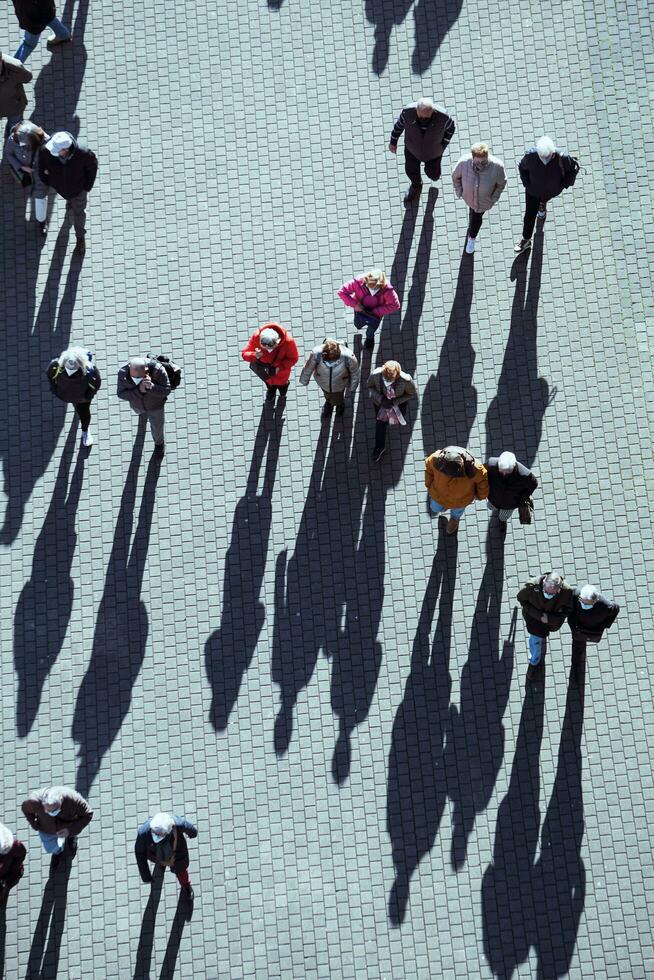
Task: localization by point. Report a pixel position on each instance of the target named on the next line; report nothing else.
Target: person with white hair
(428, 129)
(510, 484)
(272, 353)
(68, 166)
(144, 383)
(12, 858)
(59, 814)
(591, 614)
(546, 602)
(372, 297)
(545, 172)
(479, 178)
(74, 378)
(454, 478)
(22, 155)
(161, 841)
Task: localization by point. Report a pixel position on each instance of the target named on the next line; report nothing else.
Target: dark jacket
(34, 15)
(74, 815)
(12, 94)
(145, 848)
(534, 604)
(508, 492)
(426, 142)
(542, 180)
(71, 176)
(404, 387)
(144, 401)
(11, 864)
(76, 389)
(589, 624)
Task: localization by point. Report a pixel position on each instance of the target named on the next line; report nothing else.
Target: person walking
(454, 478)
(12, 858)
(591, 614)
(546, 602)
(479, 178)
(428, 129)
(145, 385)
(22, 155)
(336, 371)
(59, 814)
(510, 484)
(372, 297)
(33, 18)
(272, 353)
(545, 172)
(70, 168)
(161, 840)
(74, 378)
(390, 389)
(13, 100)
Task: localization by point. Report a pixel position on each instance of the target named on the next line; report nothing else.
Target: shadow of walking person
(229, 650)
(121, 630)
(514, 420)
(477, 730)
(146, 936)
(59, 85)
(417, 783)
(43, 962)
(509, 905)
(3, 938)
(433, 19)
(46, 602)
(183, 914)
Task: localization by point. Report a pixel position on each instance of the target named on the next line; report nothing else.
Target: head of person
(454, 461)
(588, 596)
(375, 278)
(74, 359)
(391, 371)
(161, 825)
(25, 133)
(506, 464)
(479, 153)
(552, 584)
(331, 350)
(269, 338)
(138, 367)
(424, 108)
(60, 145)
(545, 148)
(6, 839)
(52, 800)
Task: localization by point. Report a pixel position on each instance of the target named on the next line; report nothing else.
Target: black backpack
(173, 370)
(569, 169)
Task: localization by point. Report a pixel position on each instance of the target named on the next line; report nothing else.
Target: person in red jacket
(271, 352)
(12, 856)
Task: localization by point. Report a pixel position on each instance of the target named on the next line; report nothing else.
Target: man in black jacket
(144, 384)
(509, 485)
(427, 129)
(591, 614)
(12, 91)
(544, 172)
(34, 16)
(70, 168)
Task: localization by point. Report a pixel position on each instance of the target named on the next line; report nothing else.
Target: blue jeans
(30, 41)
(535, 649)
(437, 508)
(51, 843)
(362, 320)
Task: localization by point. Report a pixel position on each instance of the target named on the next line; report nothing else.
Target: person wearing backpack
(145, 384)
(74, 378)
(545, 172)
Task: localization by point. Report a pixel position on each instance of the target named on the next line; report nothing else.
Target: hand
(543, 618)
(392, 147)
(258, 353)
(63, 832)
(27, 170)
(147, 383)
(358, 308)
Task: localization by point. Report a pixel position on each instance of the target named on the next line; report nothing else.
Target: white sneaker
(87, 438)
(470, 245)
(541, 213)
(522, 245)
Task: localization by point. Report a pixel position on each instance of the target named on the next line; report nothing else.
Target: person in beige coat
(479, 178)
(390, 388)
(336, 371)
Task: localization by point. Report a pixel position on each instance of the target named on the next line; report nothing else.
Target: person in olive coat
(509, 485)
(74, 378)
(33, 17)
(161, 841)
(591, 614)
(546, 602)
(390, 388)
(12, 92)
(12, 857)
(70, 168)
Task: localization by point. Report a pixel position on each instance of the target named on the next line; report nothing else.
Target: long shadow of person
(183, 914)
(514, 420)
(46, 602)
(3, 938)
(58, 87)
(433, 19)
(417, 780)
(509, 905)
(146, 936)
(229, 650)
(121, 630)
(43, 962)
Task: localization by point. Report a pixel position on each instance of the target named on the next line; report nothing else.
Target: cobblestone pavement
(267, 633)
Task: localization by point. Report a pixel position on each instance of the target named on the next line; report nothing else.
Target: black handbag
(526, 510)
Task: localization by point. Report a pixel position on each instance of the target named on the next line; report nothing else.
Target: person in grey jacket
(427, 129)
(160, 840)
(336, 371)
(389, 389)
(479, 178)
(59, 814)
(75, 379)
(13, 100)
(22, 155)
(144, 384)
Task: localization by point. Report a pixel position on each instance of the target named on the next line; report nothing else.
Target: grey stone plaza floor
(267, 633)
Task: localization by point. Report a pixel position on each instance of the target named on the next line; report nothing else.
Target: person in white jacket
(479, 178)
(336, 371)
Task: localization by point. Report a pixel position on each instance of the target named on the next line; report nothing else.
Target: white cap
(507, 462)
(453, 454)
(58, 142)
(6, 839)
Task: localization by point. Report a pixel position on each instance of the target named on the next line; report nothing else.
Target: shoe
(377, 454)
(542, 212)
(160, 449)
(412, 193)
(327, 410)
(369, 343)
(188, 894)
(452, 526)
(470, 245)
(522, 245)
(71, 846)
(503, 527)
(80, 248)
(87, 439)
(340, 410)
(55, 42)
(42, 229)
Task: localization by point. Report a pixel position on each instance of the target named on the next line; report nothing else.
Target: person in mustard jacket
(454, 478)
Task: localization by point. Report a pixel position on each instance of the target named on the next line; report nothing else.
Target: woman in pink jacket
(271, 353)
(371, 297)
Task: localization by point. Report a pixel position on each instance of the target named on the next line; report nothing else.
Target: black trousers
(412, 168)
(381, 428)
(474, 223)
(532, 204)
(84, 412)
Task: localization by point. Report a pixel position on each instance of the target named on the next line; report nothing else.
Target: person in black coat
(70, 168)
(12, 857)
(591, 614)
(12, 91)
(509, 485)
(161, 841)
(544, 172)
(74, 378)
(33, 17)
